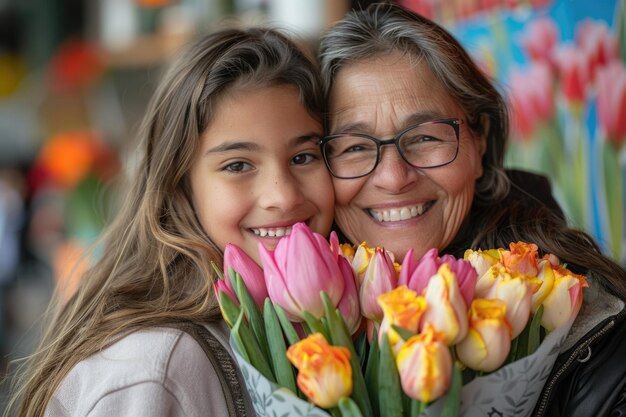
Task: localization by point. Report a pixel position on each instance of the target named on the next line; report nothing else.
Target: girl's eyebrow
(255, 147)
(234, 146)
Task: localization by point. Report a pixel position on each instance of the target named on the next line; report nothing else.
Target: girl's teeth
(275, 232)
(394, 215)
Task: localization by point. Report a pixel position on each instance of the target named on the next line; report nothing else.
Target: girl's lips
(397, 214)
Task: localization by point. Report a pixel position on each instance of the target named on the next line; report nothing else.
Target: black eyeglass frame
(453, 122)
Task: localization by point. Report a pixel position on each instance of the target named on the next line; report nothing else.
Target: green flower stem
(614, 197)
(341, 337)
(417, 408)
(389, 382)
(349, 408)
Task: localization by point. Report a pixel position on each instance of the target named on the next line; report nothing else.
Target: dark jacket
(589, 375)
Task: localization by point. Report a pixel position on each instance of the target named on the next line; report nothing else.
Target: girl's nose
(282, 191)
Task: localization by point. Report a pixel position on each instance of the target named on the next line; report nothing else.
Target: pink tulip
(488, 340)
(532, 99)
(565, 299)
(611, 87)
(425, 8)
(416, 275)
(379, 277)
(595, 38)
(299, 269)
(446, 310)
(250, 271)
(349, 303)
(540, 38)
(574, 72)
(425, 366)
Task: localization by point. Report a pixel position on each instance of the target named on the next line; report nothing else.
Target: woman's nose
(281, 190)
(393, 173)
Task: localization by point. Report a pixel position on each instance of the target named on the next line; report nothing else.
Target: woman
(395, 78)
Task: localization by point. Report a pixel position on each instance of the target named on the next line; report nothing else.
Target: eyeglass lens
(424, 146)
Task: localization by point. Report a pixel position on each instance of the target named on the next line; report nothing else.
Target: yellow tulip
(565, 299)
(516, 291)
(446, 310)
(401, 307)
(324, 372)
(488, 340)
(546, 283)
(425, 366)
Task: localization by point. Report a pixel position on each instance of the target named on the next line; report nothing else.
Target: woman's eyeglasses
(426, 145)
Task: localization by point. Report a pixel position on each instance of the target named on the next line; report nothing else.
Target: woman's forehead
(395, 88)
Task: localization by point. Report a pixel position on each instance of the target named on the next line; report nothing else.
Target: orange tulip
(325, 375)
(521, 258)
(402, 307)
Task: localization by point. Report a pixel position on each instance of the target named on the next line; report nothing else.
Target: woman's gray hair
(385, 27)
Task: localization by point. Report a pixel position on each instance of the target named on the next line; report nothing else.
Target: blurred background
(76, 75)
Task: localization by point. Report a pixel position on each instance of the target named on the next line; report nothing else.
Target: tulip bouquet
(329, 328)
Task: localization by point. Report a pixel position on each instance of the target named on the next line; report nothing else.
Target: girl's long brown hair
(156, 264)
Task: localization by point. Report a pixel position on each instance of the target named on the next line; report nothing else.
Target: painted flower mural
(562, 66)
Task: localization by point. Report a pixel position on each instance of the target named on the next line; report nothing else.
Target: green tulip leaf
(230, 310)
(452, 400)
(287, 326)
(246, 340)
(534, 331)
(252, 312)
(276, 344)
(390, 400)
(315, 325)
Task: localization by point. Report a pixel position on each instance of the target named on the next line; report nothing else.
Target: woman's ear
(485, 124)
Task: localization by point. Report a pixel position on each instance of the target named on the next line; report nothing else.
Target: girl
(230, 154)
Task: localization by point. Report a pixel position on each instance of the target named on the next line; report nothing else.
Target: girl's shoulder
(153, 371)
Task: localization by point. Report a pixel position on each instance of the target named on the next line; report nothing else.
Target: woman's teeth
(398, 214)
(273, 232)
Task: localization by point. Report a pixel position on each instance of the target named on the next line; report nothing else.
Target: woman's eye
(237, 167)
(304, 158)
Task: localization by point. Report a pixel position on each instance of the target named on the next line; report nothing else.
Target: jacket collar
(598, 306)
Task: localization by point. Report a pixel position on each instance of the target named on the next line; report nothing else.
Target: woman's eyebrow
(421, 117)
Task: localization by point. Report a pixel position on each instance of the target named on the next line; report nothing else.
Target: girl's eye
(237, 167)
(304, 158)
